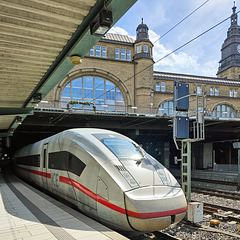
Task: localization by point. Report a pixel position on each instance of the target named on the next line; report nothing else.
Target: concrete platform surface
(28, 214)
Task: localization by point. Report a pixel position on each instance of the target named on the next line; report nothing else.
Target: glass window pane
(88, 82)
(145, 49)
(116, 53)
(104, 52)
(167, 108)
(123, 54)
(211, 91)
(99, 94)
(96, 90)
(66, 91)
(109, 85)
(224, 111)
(199, 90)
(138, 49)
(77, 93)
(110, 95)
(119, 96)
(77, 82)
(99, 83)
(92, 51)
(162, 86)
(129, 55)
(98, 51)
(88, 94)
(235, 93)
(157, 87)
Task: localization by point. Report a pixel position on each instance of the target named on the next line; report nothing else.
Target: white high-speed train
(107, 176)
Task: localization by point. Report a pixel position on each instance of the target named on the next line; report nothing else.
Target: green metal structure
(186, 168)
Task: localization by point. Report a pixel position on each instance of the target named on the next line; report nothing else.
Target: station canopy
(37, 40)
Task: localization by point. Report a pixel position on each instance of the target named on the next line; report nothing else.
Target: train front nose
(155, 208)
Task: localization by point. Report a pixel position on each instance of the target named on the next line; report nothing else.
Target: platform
(28, 214)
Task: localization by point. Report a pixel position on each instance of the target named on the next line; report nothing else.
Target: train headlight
(129, 178)
(159, 169)
(162, 176)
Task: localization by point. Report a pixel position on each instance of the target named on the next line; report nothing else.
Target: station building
(117, 76)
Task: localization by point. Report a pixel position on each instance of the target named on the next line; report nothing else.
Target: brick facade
(137, 81)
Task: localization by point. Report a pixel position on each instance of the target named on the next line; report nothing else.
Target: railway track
(157, 235)
(221, 212)
(223, 194)
(228, 215)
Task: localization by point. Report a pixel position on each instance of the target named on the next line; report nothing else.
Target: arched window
(167, 108)
(224, 111)
(95, 90)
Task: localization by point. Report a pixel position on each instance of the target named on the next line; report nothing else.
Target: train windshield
(123, 148)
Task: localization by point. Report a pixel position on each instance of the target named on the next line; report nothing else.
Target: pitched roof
(117, 38)
(193, 78)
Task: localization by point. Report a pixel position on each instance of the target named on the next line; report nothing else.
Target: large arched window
(224, 111)
(167, 108)
(95, 90)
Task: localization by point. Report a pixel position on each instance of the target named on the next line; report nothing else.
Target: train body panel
(148, 210)
(107, 176)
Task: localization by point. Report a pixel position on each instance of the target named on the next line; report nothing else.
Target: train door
(45, 166)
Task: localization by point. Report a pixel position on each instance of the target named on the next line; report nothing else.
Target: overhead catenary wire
(177, 49)
(180, 22)
(166, 33)
(167, 55)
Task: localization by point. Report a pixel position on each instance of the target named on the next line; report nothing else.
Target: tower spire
(231, 49)
(234, 15)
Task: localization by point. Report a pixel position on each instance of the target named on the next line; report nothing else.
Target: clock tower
(229, 65)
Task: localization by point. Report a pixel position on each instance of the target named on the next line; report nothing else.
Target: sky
(200, 57)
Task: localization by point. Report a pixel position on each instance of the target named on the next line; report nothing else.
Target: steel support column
(238, 187)
(186, 168)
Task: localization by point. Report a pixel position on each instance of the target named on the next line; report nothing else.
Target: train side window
(33, 160)
(58, 160)
(66, 161)
(70, 162)
(75, 165)
(44, 157)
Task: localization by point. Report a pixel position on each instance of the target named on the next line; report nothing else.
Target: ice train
(107, 176)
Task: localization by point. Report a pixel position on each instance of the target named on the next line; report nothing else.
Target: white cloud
(122, 31)
(178, 62)
(201, 56)
(118, 30)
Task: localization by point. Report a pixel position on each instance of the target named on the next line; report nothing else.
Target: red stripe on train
(106, 203)
(116, 208)
(157, 214)
(43, 174)
(40, 173)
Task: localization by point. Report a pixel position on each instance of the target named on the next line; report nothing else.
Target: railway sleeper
(225, 217)
(221, 216)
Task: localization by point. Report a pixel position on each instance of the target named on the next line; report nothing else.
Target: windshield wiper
(142, 152)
